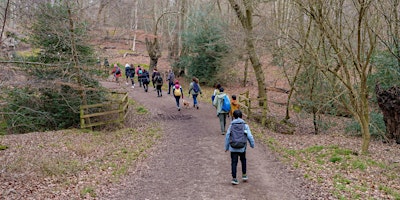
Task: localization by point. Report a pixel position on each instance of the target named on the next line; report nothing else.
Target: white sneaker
(127, 83)
(133, 86)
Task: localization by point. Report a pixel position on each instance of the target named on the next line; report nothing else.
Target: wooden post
(82, 114)
(249, 108)
(264, 112)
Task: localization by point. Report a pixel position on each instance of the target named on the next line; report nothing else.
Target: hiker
(178, 93)
(153, 75)
(117, 73)
(145, 80)
(195, 89)
(106, 63)
(159, 82)
(221, 112)
(132, 75)
(127, 73)
(139, 72)
(234, 106)
(236, 142)
(171, 79)
(216, 91)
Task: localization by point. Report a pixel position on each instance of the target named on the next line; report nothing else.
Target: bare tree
(344, 53)
(244, 13)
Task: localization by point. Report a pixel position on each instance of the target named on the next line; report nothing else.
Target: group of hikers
(238, 132)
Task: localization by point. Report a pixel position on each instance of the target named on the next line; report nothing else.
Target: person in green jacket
(218, 101)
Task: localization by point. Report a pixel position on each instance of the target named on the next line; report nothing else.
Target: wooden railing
(113, 111)
(247, 109)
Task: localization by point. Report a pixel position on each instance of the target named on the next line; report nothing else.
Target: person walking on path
(145, 80)
(159, 82)
(171, 79)
(153, 75)
(195, 90)
(216, 91)
(218, 101)
(236, 142)
(117, 73)
(132, 75)
(178, 93)
(127, 73)
(139, 72)
(234, 106)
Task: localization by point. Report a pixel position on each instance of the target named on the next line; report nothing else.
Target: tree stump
(389, 103)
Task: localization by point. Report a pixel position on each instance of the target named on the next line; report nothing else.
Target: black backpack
(158, 79)
(237, 137)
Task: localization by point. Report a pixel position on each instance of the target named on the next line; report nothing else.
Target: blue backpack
(196, 88)
(226, 104)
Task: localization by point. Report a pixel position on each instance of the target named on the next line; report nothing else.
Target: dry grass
(73, 164)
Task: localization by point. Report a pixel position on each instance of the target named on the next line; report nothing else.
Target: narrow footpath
(190, 161)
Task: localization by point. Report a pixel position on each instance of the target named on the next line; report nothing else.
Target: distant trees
(60, 85)
(205, 46)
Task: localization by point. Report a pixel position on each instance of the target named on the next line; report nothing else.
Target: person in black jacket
(145, 80)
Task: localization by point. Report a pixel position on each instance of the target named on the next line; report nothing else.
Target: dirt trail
(190, 162)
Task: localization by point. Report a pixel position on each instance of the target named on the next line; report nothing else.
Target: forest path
(190, 161)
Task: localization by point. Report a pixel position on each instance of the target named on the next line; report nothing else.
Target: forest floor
(184, 158)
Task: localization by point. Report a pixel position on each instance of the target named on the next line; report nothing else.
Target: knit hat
(176, 86)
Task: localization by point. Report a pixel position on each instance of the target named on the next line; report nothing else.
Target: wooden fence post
(82, 114)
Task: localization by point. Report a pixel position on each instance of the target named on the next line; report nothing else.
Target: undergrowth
(346, 173)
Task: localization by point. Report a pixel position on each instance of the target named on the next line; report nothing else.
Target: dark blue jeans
(234, 161)
(177, 98)
(195, 99)
(170, 84)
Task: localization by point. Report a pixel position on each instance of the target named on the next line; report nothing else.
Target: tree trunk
(135, 26)
(389, 103)
(246, 19)
(153, 49)
(246, 71)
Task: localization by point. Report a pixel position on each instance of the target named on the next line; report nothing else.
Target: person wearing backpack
(132, 75)
(117, 73)
(145, 80)
(178, 93)
(236, 142)
(159, 82)
(223, 104)
(216, 91)
(127, 73)
(153, 76)
(139, 73)
(195, 89)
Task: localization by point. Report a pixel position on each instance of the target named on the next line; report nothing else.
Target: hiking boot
(235, 181)
(197, 107)
(244, 177)
(179, 109)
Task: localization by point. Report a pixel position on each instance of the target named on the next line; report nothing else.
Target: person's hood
(220, 95)
(238, 120)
